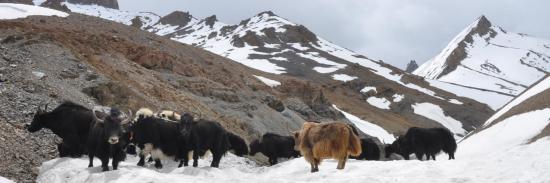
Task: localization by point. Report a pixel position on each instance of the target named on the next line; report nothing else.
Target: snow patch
(381, 103)
(455, 101)
(367, 89)
(368, 127)
(509, 133)
(39, 75)
(398, 97)
(14, 11)
(5, 180)
(343, 77)
(268, 82)
(434, 112)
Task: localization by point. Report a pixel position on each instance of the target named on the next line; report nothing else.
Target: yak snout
(113, 140)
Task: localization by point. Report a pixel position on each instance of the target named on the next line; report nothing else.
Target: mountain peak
(211, 20)
(483, 22)
(268, 13)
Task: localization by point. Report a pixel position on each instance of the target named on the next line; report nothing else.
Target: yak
(370, 150)
(237, 144)
(159, 138)
(106, 139)
(326, 140)
(424, 141)
(70, 121)
(203, 135)
(274, 146)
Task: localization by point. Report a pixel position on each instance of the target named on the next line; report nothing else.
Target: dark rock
(411, 66)
(105, 3)
(177, 18)
(56, 4)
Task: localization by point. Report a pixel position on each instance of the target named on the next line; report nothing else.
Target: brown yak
(318, 141)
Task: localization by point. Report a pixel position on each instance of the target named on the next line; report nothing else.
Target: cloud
(395, 31)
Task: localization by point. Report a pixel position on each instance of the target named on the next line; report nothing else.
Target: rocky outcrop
(105, 3)
(17, 1)
(177, 18)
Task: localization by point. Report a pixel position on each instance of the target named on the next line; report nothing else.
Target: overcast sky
(395, 31)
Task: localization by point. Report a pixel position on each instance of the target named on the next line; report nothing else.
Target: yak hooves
(158, 166)
(140, 163)
(105, 169)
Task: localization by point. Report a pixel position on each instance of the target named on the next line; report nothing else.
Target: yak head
(398, 146)
(297, 139)
(185, 124)
(38, 121)
(113, 125)
(255, 147)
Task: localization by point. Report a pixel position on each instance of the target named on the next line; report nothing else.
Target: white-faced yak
(106, 139)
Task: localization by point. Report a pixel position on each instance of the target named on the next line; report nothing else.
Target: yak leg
(341, 163)
(419, 155)
(158, 164)
(433, 157)
(316, 162)
(216, 157)
(141, 160)
(105, 163)
(451, 156)
(91, 156)
(195, 158)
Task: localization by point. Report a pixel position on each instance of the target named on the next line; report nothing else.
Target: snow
(540, 87)
(268, 82)
(343, 77)
(490, 166)
(367, 89)
(434, 112)
(38, 2)
(381, 103)
(509, 133)
(368, 127)
(398, 97)
(121, 16)
(492, 99)
(5, 180)
(322, 60)
(14, 11)
(455, 101)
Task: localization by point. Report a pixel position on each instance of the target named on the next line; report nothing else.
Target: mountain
(486, 57)
(411, 66)
(371, 90)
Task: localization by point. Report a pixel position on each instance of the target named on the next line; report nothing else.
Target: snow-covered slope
(519, 122)
(486, 57)
(13, 11)
(491, 166)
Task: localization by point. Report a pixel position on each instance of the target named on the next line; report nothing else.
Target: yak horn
(46, 107)
(95, 117)
(128, 118)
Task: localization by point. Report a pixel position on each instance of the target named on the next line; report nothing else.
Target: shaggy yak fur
(423, 141)
(70, 121)
(274, 146)
(370, 150)
(327, 140)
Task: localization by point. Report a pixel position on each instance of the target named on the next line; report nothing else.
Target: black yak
(106, 139)
(274, 146)
(424, 141)
(237, 144)
(69, 121)
(159, 138)
(201, 136)
(370, 150)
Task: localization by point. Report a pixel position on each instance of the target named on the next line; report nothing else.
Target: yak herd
(109, 134)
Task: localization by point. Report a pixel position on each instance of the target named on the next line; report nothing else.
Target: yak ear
(46, 107)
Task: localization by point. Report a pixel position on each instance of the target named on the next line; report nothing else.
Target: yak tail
(354, 147)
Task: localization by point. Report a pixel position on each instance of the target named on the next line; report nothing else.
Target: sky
(395, 31)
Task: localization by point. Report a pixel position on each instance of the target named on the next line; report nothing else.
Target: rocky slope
(488, 58)
(46, 60)
(275, 45)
